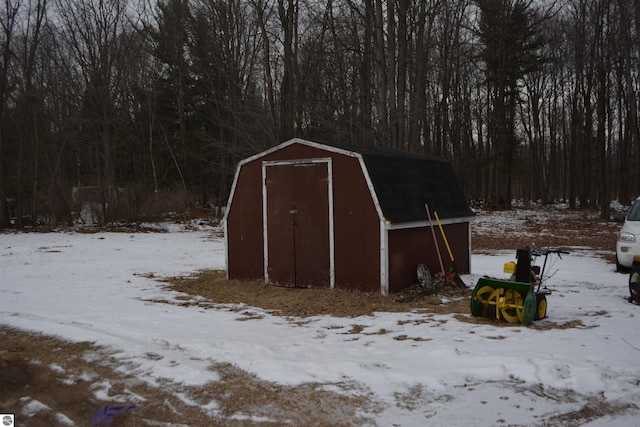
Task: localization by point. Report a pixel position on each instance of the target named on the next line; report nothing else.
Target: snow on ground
(101, 287)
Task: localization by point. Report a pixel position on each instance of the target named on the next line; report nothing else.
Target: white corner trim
(265, 242)
(226, 246)
(384, 259)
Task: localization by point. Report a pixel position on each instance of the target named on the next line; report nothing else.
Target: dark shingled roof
(404, 182)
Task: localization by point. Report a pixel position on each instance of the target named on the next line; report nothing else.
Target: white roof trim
(425, 223)
(317, 145)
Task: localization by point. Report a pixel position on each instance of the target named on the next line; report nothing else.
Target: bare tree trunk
(31, 97)
(418, 98)
(401, 72)
(4, 208)
(261, 8)
(288, 19)
(630, 91)
(380, 70)
(603, 191)
(8, 22)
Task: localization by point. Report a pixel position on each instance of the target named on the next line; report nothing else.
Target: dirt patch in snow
(210, 289)
(551, 228)
(49, 382)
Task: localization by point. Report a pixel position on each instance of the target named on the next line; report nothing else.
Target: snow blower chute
(522, 298)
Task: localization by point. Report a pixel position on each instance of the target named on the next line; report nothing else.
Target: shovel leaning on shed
(456, 276)
(435, 242)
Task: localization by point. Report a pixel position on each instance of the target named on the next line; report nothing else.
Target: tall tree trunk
(261, 8)
(8, 17)
(401, 72)
(630, 89)
(288, 13)
(418, 98)
(382, 115)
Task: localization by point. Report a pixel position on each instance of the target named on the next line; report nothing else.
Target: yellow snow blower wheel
(510, 301)
(522, 298)
(541, 308)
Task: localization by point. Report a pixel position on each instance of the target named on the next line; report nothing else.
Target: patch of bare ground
(210, 289)
(595, 407)
(47, 381)
(553, 228)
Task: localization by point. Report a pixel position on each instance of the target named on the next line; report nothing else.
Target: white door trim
(265, 234)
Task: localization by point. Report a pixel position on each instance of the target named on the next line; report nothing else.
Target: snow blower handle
(546, 251)
(558, 252)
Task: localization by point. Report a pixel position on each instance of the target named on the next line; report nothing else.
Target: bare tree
(8, 22)
(629, 134)
(225, 54)
(29, 101)
(511, 44)
(264, 10)
(176, 103)
(96, 34)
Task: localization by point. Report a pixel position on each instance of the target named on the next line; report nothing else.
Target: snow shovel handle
(446, 243)
(435, 241)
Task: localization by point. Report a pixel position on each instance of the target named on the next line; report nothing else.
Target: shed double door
(297, 227)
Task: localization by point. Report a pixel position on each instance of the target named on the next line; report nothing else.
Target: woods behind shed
(309, 214)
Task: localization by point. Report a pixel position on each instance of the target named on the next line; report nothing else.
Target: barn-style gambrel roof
(361, 208)
(403, 182)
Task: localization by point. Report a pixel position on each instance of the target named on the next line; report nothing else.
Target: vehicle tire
(621, 268)
(541, 307)
(634, 285)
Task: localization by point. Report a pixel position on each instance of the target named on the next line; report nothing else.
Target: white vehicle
(628, 243)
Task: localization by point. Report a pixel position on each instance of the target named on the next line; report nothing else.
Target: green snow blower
(522, 299)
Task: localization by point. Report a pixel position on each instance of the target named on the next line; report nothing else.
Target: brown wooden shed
(313, 214)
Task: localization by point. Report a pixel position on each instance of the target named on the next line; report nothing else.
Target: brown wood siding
(407, 249)
(458, 237)
(357, 228)
(410, 246)
(245, 244)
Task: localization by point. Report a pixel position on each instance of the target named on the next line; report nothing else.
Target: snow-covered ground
(100, 288)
